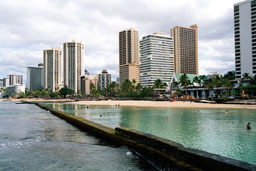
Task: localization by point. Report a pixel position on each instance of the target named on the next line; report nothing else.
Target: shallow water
(211, 130)
(34, 139)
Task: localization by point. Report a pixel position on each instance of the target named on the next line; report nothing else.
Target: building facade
(35, 77)
(104, 80)
(129, 55)
(73, 55)
(52, 69)
(86, 82)
(5, 82)
(157, 59)
(186, 49)
(245, 37)
(15, 79)
(1, 83)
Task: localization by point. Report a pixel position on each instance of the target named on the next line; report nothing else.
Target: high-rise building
(185, 49)
(104, 80)
(52, 69)
(15, 79)
(86, 72)
(5, 82)
(1, 83)
(157, 59)
(245, 37)
(86, 82)
(35, 77)
(73, 55)
(129, 55)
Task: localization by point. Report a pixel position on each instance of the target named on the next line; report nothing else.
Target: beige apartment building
(52, 69)
(185, 49)
(129, 67)
(73, 60)
(86, 82)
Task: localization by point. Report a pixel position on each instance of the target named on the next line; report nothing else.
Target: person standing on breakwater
(249, 126)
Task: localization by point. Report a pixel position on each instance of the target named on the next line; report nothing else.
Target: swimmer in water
(249, 126)
(198, 110)
(227, 112)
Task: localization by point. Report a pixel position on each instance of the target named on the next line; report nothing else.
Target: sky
(27, 27)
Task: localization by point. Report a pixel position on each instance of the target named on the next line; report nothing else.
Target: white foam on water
(23, 144)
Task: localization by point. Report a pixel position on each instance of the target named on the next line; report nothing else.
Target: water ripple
(24, 142)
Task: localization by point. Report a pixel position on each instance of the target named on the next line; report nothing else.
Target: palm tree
(184, 82)
(158, 83)
(246, 76)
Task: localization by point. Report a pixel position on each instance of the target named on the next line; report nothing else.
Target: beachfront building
(157, 59)
(198, 90)
(87, 83)
(5, 82)
(52, 69)
(104, 80)
(185, 49)
(15, 79)
(129, 68)
(73, 55)
(35, 77)
(245, 37)
(1, 83)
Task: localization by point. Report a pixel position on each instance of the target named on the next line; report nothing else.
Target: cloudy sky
(27, 27)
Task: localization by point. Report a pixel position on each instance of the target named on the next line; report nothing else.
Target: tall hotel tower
(186, 49)
(157, 59)
(52, 69)
(129, 67)
(73, 55)
(245, 37)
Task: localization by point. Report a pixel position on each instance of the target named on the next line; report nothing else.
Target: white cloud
(28, 27)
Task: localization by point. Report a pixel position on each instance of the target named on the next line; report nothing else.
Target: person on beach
(249, 126)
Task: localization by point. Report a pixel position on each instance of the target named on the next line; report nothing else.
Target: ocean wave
(24, 142)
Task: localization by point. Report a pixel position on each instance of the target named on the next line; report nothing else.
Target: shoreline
(164, 104)
(142, 103)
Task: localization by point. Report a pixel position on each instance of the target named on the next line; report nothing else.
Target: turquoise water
(33, 139)
(211, 130)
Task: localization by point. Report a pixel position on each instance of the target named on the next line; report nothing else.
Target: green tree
(159, 84)
(246, 76)
(184, 82)
(66, 91)
(21, 95)
(230, 75)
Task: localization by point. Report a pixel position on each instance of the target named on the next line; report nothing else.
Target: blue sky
(28, 27)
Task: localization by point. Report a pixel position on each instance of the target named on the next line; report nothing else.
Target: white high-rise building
(73, 55)
(52, 69)
(245, 37)
(15, 79)
(157, 59)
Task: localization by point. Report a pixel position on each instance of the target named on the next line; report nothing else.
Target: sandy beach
(160, 104)
(168, 104)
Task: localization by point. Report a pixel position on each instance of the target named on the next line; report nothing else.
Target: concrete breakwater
(160, 151)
